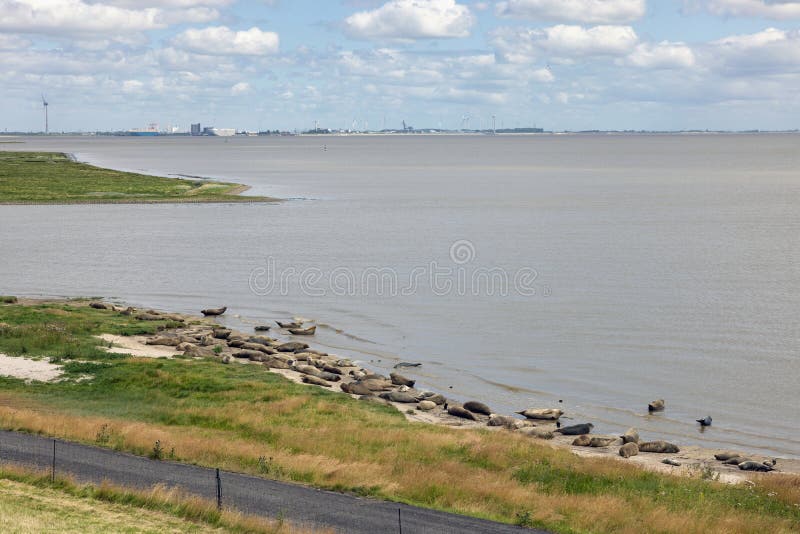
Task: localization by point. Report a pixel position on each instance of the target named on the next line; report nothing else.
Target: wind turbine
(46, 125)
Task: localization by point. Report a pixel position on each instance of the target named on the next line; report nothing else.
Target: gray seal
(630, 436)
(477, 407)
(656, 406)
(459, 411)
(214, 311)
(582, 441)
(575, 430)
(629, 449)
(705, 421)
(400, 380)
(658, 446)
(755, 466)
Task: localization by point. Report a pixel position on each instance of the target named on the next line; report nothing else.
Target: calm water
(665, 266)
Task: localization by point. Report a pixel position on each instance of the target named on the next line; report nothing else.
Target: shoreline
(80, 183)
(694, 460)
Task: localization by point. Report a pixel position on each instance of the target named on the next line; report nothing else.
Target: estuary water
(595, 272)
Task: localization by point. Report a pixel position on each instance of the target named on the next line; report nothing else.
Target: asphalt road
(298, 504)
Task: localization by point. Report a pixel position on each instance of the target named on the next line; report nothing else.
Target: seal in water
(658, 446)
(629, 449)
(656, 406)
(575, 430)
(705, 421)
(477, 407)
(292, 324)
(214, 311)
(406, 364)
(262, 328)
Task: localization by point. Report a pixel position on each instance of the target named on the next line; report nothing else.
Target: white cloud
(241, 88)
(585, 11)
(132, 86)
(773, 9)
(411, 19)
(771, 51)
(521, 45)
(73, 16)
(664, 55)
(220, 40)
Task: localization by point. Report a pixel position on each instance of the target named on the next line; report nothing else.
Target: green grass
(48, 177)
(243, 418)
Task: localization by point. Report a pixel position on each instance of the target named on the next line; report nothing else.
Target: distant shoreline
(56, 178)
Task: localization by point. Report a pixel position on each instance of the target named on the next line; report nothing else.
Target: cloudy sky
(266, 64)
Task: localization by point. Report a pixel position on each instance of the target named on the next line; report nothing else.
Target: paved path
(252, 495)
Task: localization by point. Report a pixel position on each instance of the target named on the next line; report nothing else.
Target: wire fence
(249, 494)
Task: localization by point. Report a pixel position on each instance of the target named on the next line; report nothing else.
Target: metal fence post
(53, 469)
(219, 491)
(399, 522)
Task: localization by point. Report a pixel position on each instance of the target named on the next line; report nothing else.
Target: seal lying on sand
(755, 466)
(656, 406)
(575, 430)
(550, 414)
(214, 311)
(292, 346)
(304, 331)
(308, 379)
(400, 380)
(398, 396)
(600, 441)
(630, 436)
(477, 407)
(582, 441)
(629, 449)
(658, 446)
(426, 405)
(511, 423)
(460, 411)
(722, 456)
(537, 433)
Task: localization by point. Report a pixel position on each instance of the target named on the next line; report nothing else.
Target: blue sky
(267, 64)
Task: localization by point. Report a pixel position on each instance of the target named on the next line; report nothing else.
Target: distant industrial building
(219, 132)
(196, 129)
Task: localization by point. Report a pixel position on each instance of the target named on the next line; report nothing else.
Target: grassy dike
(244, 418)
(53, 178)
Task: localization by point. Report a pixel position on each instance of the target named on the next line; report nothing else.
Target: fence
(248, 494)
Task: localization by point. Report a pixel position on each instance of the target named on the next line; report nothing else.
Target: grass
(52, 178)
(31, 502)
(243, 418)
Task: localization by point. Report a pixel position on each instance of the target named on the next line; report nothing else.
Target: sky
(370, 64)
